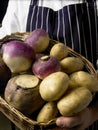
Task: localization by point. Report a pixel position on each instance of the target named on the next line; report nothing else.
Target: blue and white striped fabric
(75, 25)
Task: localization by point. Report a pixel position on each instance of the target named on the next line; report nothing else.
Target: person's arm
(15, 18)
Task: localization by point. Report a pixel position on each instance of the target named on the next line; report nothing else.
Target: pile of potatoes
(53, 83)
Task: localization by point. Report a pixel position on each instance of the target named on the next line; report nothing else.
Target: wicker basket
(20, 120)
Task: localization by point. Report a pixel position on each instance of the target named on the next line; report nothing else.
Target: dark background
(3, 7)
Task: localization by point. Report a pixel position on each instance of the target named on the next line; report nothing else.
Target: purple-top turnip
(38, 40)
(18, 56)
(45, 66)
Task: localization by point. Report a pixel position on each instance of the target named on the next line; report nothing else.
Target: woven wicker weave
(20, 120)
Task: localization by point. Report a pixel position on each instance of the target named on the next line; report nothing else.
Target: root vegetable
(74, 101)
(83, 79)
(22, 92)
(59, 50)
(54, 86)
(38, 55)
(38, 40)
(18, 56)
(5, 75)
(48, 112)
(45, 65)
(71, 64)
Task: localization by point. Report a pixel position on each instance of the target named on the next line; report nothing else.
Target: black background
(3, 7)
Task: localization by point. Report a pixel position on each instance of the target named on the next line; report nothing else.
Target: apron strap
(34, 2)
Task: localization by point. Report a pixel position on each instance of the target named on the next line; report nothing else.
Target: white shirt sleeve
(15, 18)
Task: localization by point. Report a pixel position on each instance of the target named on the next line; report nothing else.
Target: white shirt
(15, 19)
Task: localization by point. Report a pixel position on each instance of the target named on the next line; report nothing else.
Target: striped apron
(75, 25)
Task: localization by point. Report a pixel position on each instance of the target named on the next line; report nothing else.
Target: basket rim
(23, 35)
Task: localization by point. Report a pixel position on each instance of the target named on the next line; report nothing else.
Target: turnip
(22, 92)
(39, 55)
(45, 66)
(38, 40)
(18, 56)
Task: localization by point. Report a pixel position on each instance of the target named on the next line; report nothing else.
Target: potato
(54, 86)
(83, 79)
(71, 64)
(59, 51)
(48, 112)
(22, 92)
(74, 101)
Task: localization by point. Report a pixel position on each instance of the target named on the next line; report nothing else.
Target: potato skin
(54, 86)
(26, 100)
(71, 64)
(48, 112)
(74, 101)
(59, 50)
(83, 79)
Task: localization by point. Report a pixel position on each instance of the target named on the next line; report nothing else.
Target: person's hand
(80, 121)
